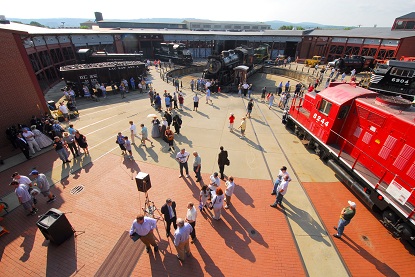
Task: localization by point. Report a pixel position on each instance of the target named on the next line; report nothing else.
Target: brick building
(30, 57)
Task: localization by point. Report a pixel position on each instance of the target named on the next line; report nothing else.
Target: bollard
(167, 79)
(181, 84)
(296, 68)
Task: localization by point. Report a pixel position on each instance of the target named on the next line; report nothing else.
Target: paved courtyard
(252, 239)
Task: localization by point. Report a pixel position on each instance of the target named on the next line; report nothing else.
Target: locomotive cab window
(325, 107)
(402, 72)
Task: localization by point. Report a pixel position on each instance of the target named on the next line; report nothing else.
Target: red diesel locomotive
(368, 140)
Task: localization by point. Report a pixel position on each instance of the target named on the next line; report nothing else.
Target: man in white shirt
(191, 219)
(182, 158)
(143, 226)
(214, 182)
(64, 111)
(24, 197)
(30, 139)
(281, 191)
(133, 130)
(181, 239)
(283, 171)
(230, 186)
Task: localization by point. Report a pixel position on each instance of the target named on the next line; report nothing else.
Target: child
(204, 194)
(231, 121)
(127, 145)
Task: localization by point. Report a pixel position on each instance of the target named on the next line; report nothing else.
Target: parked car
(313, 61)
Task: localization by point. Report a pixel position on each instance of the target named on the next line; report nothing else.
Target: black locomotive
(89, 56)
(221, 67)
(394, 78)
(173, 52)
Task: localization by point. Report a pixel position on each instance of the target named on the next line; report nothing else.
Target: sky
(366, 13)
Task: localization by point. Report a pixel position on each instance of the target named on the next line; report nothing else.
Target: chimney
(98, 16)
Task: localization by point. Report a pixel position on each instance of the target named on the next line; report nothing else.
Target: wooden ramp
(122, 259)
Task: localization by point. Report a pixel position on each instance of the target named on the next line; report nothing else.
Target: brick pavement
(366, 246)
(109, 203)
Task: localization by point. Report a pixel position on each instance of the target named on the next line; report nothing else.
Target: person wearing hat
(43, 184)
(169, 212)
(283, 171)
(346, 216)
(24, 197)
(24, 180)
(231, 121)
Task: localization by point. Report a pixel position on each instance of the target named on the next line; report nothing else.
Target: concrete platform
(251, 238)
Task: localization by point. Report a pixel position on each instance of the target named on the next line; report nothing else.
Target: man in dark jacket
(177, 123)
(169, 212)
(222, 161)
(23, 145)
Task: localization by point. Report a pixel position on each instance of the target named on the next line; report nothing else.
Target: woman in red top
(231, 121)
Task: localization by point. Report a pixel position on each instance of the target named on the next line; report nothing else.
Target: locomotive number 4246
(321, 120)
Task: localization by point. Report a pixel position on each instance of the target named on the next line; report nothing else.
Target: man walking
(283, 171)
(281, 191)
(242, 126)
(133, 131)
(169, 212)
(43, 184)
(191, 219)
(222, 161)
(249, 108)
(197, 166)
(181, 239)
(182, 158)
(230, 186)
(346, 216)
(144, 136)
(143, 227)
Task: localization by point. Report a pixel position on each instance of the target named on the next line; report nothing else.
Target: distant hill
(75, 22)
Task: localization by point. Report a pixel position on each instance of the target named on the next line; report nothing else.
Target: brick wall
(20, 94)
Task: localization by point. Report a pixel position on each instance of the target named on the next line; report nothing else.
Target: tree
(290, 27)
(35, 23)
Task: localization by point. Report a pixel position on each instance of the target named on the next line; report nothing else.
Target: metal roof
(41, 30)
(407, 16)
(341, 93)
(365, 32)
(222, 22)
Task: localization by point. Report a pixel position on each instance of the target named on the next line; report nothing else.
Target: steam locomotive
(367, 139)
(394, 78)
(175, 52)
(89, 56)
(220, 67)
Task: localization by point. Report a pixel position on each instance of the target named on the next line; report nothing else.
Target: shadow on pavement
(306, 222)
(243, 196)
(380, 266)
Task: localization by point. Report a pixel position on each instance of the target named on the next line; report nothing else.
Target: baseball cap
(34, 172)
(352, 204)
